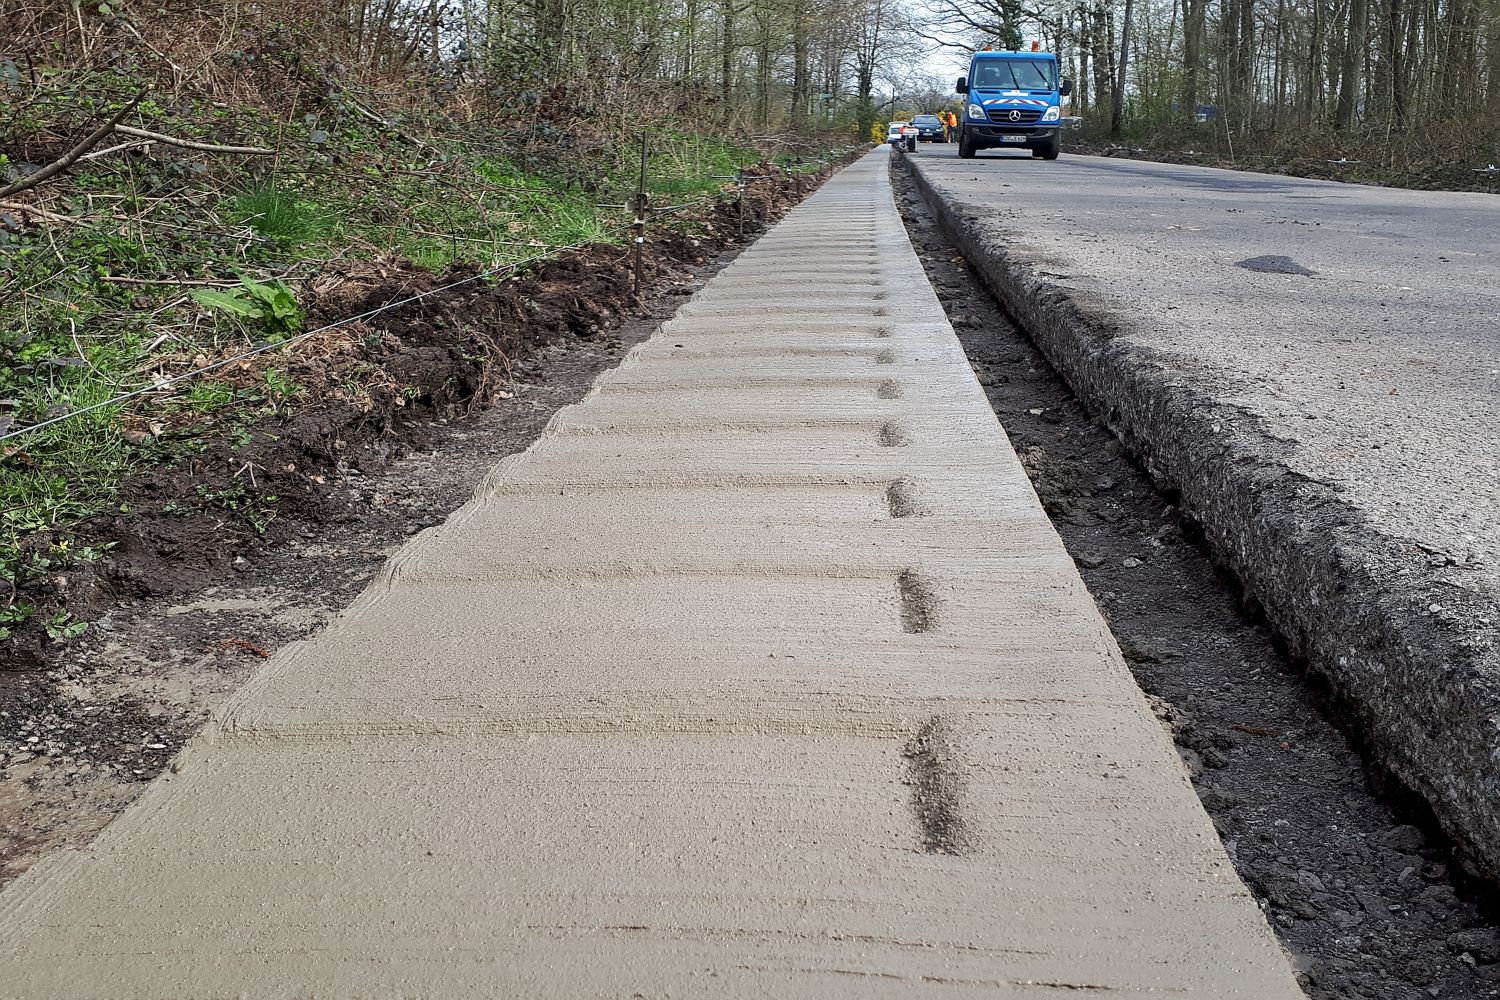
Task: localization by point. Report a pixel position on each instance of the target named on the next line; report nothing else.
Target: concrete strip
(761, 674)
(1334, 431)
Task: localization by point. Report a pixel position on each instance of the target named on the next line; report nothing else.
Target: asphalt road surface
(1360, 323)
(1317, 367)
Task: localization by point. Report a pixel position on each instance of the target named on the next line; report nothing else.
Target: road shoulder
(1412, 654)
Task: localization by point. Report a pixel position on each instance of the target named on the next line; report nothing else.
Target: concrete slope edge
(1363, 608)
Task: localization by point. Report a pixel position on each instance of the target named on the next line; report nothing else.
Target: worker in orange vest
(950, 123)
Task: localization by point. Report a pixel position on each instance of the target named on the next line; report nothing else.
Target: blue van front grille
(1022, 116)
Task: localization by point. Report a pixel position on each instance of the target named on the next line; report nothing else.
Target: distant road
(1317, 366)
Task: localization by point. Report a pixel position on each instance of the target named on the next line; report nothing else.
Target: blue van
(1012, 99)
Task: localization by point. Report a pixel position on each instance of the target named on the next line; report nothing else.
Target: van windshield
(1014, 74)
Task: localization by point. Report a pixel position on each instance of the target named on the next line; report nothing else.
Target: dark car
(930, 128)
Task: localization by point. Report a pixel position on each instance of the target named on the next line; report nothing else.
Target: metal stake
(739, 188)
(641, 207)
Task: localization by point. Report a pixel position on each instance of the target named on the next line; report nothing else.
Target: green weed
(280, 385)
(272, 307)
(257, 510)
(12, 615)
(683, 163)
(63, 626)
(207, 395)
(574, 223)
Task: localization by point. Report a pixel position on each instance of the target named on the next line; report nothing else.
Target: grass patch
(498, 214)
(68, 471)
(207, 395)
(55, 478)
(573, 223)
(684, 163)
(283, 215)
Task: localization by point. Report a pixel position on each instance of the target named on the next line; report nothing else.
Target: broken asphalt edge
(1414, 658)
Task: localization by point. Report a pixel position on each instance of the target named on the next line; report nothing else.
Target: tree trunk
(1245, 64)
(1395, 58)
(1192, 53)
(799, 110)
(1229, 47)
(726, 62)
(1312, 81)
(1492, 50)
(1082, 96)
(1353, 57)
(1278, 87)
(1117, 116)
(1102, 57)
(763, 76)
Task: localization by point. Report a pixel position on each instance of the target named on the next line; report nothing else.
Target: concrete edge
(1422, 686)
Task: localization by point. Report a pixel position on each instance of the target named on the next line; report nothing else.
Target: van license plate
(1012, 138)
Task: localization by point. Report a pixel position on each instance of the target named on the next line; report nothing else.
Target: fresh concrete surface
(1337, 432)
(761, 674)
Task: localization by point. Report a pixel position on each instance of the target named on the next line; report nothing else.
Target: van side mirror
(963, 85)
(1065, 88)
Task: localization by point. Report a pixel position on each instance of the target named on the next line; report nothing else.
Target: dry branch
(383, 123)
(121, 279)
(40, 213)
(71, 156)
(122, 147)
(207, 147)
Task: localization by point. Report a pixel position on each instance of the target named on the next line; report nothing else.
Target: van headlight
(975, 111)
(1053, 114)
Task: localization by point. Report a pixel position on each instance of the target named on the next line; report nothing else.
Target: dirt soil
(255, 533)
(1356, 880)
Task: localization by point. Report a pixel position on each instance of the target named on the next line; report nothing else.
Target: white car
(893, 132)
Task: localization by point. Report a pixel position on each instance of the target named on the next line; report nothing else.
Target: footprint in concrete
(937, 789)
(1273, 264)
(893, 435)
(919, 602)
(901, 498)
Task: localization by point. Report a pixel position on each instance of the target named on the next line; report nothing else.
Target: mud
(1355, 878)
(246, 537)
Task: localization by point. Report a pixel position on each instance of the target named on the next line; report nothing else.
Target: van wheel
(966, 147)
(1051, 149)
